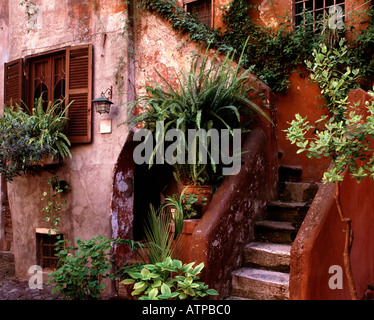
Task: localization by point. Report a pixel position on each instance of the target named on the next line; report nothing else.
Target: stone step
(260, 284)
(290, 173)
(297, 191)
(273, 256)
(287, 211)
(236, 298)
(275, 231)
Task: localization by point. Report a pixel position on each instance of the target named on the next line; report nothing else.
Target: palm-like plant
(160, 243)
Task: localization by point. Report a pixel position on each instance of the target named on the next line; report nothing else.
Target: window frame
(323, 9)
(30, 61)
(186, 2)
(78, 86)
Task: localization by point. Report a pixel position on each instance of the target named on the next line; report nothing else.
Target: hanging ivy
(272, 54)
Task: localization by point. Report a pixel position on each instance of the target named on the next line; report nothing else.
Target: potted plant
(211, 95)
(32, 138)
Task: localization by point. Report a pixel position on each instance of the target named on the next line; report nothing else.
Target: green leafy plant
(332, 74)
(83, 267)
(168, 280)
(214, 96)
(26, 139)
(342, 136)
(55, 203)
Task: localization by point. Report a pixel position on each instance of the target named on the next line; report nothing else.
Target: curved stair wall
(320, 241)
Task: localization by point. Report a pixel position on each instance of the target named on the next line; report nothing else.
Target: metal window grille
(316, 7)
(201, 9)
(47, 250)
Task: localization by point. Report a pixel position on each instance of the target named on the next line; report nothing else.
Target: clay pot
(203, 192)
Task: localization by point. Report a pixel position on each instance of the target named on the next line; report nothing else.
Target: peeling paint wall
(90, 171)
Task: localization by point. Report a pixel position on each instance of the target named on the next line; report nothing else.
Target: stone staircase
(266, 261)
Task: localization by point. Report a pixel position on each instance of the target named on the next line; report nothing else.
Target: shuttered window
(64, 73)
(13, 82)
(79, 90)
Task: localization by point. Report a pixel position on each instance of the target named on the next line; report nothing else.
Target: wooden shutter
(13, 82)
(79, 90)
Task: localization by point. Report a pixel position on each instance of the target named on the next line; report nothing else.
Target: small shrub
(83, 267)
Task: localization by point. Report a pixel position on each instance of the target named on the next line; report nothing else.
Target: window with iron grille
(201, 9)
(316, 7)
(46, 250)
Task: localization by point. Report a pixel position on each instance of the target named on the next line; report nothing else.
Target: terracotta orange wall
(328, 245)
(302, 97)
(320, 241)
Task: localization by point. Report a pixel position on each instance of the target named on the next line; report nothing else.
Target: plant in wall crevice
(55, 204)
(344, 136)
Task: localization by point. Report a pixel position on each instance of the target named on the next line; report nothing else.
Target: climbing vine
(272, 54)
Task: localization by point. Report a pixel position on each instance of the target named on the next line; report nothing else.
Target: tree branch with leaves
(344, 135)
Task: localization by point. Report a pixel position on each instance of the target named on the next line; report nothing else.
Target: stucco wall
(320, 241)
(90, 171)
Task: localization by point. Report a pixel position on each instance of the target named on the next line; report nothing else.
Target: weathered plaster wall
(4, 41)
(4, 49)
(90, 171)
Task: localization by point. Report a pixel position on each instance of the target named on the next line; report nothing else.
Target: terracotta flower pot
(204, 194)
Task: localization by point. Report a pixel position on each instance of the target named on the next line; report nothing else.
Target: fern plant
(209, 96)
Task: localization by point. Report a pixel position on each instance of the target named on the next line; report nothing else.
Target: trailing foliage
(343, 135)
(168, 280)
(272, 53)
(26, 140)
(183, 21)
(55, 204)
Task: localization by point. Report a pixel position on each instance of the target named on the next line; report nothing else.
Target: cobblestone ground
(13, 289)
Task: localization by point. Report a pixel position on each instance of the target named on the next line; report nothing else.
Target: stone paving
(13, 289)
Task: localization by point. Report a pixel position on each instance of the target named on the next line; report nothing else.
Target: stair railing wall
(317, 268)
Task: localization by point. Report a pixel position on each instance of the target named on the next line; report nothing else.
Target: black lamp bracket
(107, 94)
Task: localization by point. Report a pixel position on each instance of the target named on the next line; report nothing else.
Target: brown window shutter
(13, 82)
(79, 90)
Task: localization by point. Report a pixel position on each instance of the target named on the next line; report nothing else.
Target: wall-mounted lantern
(102, 104)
